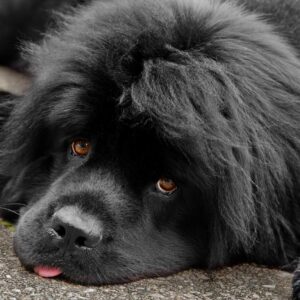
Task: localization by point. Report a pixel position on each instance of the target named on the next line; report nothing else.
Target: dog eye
(166, 186)
(80, 147)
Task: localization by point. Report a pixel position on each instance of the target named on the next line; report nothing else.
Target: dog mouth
(47, 272)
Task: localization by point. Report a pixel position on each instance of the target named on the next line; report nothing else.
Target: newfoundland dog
(157, 135)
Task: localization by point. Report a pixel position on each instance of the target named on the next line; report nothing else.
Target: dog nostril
(80, 241)
(61, 231)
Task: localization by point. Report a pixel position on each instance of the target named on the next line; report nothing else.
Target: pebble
(90, 291)
(269, 286)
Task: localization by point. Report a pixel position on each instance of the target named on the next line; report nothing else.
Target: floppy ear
(12, 86)
(6, 106)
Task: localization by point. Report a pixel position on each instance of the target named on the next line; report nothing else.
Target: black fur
(205, 93)
(296, 284)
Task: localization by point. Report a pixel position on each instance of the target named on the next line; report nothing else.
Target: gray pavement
(241, 282)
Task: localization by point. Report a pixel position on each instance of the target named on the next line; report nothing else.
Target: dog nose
(71, 228)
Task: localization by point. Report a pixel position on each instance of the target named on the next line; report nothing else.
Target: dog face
(140, 151)
(108, 198)
(108, 216)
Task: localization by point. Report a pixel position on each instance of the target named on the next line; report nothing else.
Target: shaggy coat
(205, 93)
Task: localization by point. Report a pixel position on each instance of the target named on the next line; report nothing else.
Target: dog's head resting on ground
(155, 137)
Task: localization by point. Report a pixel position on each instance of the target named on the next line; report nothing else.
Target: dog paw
(296, 284)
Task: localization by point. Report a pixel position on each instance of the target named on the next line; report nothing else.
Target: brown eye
(81, 147)
(166, 186)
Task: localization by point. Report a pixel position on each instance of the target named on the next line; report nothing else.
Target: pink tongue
(47, 271)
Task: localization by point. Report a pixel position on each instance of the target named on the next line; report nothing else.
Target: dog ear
(12, 86)
(21, 136)
(6, 106)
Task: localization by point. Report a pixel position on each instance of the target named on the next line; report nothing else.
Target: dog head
(136, 149)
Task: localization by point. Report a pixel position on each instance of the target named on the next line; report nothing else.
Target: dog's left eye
(80, 147)
(166, 186)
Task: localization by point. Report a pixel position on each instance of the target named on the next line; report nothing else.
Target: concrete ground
(243, 282)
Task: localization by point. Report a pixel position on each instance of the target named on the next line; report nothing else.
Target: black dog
(157, 135)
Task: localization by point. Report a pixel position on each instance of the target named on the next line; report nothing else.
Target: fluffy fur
(202, 92)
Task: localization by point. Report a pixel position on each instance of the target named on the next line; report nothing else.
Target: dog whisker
(9, 210)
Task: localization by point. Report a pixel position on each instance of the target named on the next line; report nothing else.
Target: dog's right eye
(80, 147)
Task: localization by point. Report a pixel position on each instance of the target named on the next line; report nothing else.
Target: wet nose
(71, 228)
